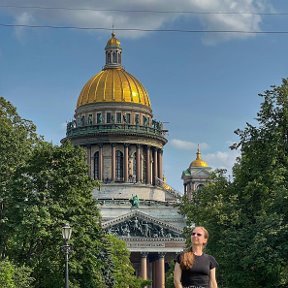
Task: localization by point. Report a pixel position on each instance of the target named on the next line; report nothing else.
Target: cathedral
(114, 122)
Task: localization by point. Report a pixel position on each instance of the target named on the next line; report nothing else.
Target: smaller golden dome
(198, 162)
(113, 42)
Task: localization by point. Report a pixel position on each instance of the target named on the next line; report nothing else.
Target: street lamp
(66, 233)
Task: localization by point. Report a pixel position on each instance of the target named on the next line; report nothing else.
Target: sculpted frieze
(137, 227)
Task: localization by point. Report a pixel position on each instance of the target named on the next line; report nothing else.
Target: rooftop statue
(134, 200)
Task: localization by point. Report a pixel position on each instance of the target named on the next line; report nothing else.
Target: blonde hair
(187, 258)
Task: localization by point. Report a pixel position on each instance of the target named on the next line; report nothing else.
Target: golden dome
(113, 42)
(113, 85)
(198, 162)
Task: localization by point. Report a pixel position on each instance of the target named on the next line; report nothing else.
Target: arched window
(119, 165)
(134, 164)
(144, 166)
(96, 165)
(199, 186)
(114, 57)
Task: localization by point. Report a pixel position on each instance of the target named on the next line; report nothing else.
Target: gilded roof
(198, 162)
(113, 85)
(113, 42)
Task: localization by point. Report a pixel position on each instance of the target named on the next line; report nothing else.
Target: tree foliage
(17, 137)
(12, 276)
(248, 218)
(51, 188)
(42, 187)
(125, 271)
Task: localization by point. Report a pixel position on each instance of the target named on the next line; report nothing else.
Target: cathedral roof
(113, 84)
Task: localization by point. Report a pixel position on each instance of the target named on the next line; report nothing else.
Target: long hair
(187, 258)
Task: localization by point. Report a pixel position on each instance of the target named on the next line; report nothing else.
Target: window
(145, 121)
(128, 118)
(199, 186)
(119, 165)
(145, 166)
(99, 118)
(96, 165)
(137, 119)
(108, 117)
(82, 120)
(90, 119)
(118, 117)
(114, 57)
(108, 58)
(134, 164)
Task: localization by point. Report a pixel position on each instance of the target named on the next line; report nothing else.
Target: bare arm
(177, 276)
(213, 282)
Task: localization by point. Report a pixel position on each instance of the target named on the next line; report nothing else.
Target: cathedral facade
(114, 122)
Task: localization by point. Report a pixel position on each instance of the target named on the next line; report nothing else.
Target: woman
(193, 268)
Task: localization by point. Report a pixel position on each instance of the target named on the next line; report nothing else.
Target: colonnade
(153, 269)
(148, 159)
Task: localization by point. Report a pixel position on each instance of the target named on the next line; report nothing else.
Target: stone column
(113, 164)
(144, 266)
(161, 271)
(138, 164)
(160, 164)
(126, 162)
(155, 166)
(101, 162)
(148, 161)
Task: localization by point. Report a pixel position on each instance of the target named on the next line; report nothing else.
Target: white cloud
(186, 145)
(222, 160)
(105, 18)
(24, 18)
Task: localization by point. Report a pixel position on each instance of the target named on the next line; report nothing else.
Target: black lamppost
(66, 233)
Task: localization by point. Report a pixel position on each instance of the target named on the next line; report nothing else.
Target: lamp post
(66, 233)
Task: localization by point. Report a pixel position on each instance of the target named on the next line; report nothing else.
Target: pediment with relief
(139, 224)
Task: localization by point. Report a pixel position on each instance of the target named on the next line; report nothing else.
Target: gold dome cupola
(113, 84)
(113, 53)
(198, 162)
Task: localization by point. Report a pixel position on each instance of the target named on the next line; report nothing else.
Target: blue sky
(203, 85)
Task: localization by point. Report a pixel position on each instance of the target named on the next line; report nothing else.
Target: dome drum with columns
(114, 120)
(114, 102)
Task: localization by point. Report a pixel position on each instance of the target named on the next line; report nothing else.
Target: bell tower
(196, 176)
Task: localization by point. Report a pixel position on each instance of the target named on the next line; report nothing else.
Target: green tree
(17, 137)
(51, 188)
(169, 275)
(6, 274)
(248, 218)
(124, 274)
(14, 277)
(42, 187)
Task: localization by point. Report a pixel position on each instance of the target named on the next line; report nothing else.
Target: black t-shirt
(199, 274)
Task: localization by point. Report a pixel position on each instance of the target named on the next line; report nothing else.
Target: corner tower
(196, 175)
